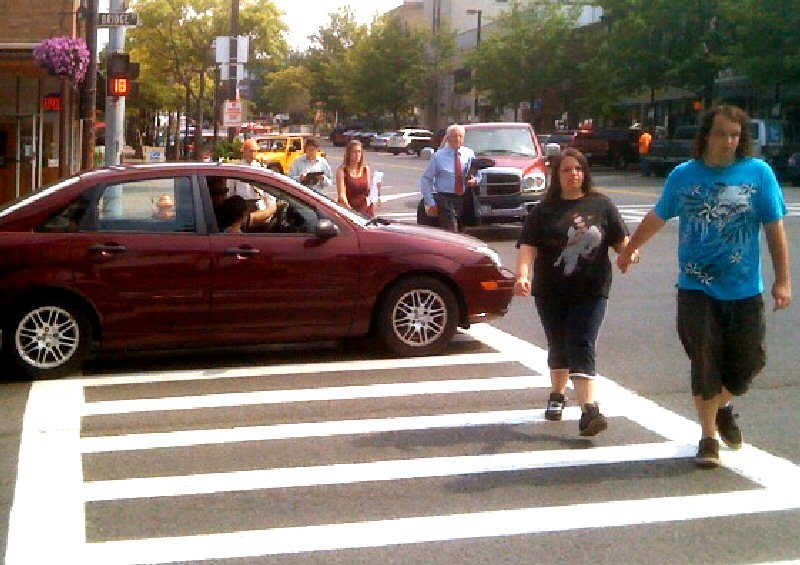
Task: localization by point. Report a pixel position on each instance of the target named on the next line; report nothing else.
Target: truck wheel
(620, 162)
(47, 339)
(418, 317)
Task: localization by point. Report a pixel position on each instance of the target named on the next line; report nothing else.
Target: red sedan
(139, 258)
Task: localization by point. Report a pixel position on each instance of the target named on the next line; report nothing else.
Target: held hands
(625, 259)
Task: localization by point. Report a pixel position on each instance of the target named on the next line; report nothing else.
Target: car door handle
(242, 251)
(107, 249)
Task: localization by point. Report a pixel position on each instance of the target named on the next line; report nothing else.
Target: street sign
(117, 19)
(232, 113)
(524, 105)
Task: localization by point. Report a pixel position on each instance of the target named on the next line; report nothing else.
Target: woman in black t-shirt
(566, 238)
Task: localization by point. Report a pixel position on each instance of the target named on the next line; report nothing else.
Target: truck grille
(500, 184)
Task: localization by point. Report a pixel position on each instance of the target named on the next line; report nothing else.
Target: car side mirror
(552, 149)
(426, 153)
(326, 229)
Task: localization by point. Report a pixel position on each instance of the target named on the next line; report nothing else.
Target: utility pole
(89, 90)
(115, 105)
(234, 51)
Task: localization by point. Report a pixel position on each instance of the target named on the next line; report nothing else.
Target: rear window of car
(499, 141)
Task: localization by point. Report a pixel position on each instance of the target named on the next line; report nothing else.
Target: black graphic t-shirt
(572, 238)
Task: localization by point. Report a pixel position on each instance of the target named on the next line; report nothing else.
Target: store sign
(51, 103)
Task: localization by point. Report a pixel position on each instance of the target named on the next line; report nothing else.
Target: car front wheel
(418, 317)
(47, 339)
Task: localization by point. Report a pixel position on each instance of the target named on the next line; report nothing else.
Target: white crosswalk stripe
(53, 494)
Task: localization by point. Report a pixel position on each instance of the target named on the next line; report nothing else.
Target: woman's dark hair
(734, 114)
(234, 208)
(553, 192)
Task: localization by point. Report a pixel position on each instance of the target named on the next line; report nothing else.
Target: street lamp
(478, 13)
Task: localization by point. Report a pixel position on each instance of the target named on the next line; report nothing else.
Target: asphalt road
(327, 454)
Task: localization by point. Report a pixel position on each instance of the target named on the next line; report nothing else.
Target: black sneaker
(707, 454)
(555, 406)
(592, 421)
(727, 428)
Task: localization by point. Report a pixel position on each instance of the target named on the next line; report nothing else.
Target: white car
(381, 141)
(409, 141)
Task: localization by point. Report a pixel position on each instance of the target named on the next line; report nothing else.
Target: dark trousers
(571, 328)
(450, 208)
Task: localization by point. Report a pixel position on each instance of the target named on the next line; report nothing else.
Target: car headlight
(534, 182)
(490, 253)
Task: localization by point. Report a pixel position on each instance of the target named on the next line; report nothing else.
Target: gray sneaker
(728, 429)
(707, 454)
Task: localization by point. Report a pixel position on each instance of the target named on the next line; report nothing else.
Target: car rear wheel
(47, 339)
(418, 317)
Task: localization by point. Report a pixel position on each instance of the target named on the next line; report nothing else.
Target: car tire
(620, 162)
(47, 339)
(418, 317)
(394, 151)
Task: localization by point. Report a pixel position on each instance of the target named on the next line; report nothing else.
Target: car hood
(521, 162)
(430, 234)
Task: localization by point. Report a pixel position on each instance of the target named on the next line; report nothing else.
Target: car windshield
(500, 141)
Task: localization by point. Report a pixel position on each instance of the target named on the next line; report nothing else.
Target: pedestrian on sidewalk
(722, 198)
(566, 237)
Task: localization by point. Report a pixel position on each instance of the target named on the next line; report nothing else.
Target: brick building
(39, 125)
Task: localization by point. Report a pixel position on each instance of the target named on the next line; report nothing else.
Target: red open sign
(51, 103)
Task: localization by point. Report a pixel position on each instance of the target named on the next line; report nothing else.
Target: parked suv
(511, 170)
(409, 141)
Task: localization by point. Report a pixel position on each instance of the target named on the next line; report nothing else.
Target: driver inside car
(266, 209)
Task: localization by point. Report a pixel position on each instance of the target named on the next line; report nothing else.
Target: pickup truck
(615, 147)
(767, 144)
(512, 173)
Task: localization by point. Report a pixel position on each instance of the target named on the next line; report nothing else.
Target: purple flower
(64, 56)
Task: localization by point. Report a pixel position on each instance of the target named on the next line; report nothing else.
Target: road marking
(293, 369)
(187, 438)
(50, 489)
(477, 525)
(386, 390)
(350, 473)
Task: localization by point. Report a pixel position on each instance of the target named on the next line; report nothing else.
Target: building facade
(39, 126)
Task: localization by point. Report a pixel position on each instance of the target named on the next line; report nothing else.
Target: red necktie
(459, 170)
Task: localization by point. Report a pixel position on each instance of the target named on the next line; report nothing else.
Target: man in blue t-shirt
(722, 198)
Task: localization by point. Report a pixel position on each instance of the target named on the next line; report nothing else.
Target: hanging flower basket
(63, 56)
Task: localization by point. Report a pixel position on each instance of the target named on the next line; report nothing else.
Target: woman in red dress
(353, 180)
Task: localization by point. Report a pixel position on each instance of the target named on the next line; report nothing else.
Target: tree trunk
(198, 126)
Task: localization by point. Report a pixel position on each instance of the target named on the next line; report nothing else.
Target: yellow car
(278, 151)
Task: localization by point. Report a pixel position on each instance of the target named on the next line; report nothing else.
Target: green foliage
(526, 55)
(384, 73)
(288, 90)
(228, 150)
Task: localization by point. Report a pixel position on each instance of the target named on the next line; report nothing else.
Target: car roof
(495, 125)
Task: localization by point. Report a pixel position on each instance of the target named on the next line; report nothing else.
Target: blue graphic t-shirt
(721, 211)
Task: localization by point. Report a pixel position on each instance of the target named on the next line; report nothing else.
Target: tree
(525, 55)
(326, 59)
(173, 42)
(385, 71)
(288, 90)
(765, 44)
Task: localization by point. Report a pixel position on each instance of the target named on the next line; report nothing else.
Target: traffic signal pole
(115, 105)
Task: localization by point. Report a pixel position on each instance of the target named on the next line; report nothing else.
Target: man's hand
(522, 287)
(472, 181)
(782, 293)
(432, 211)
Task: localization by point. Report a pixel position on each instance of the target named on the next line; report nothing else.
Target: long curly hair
(734, 114)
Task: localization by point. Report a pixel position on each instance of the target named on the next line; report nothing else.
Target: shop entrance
(20, 156)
